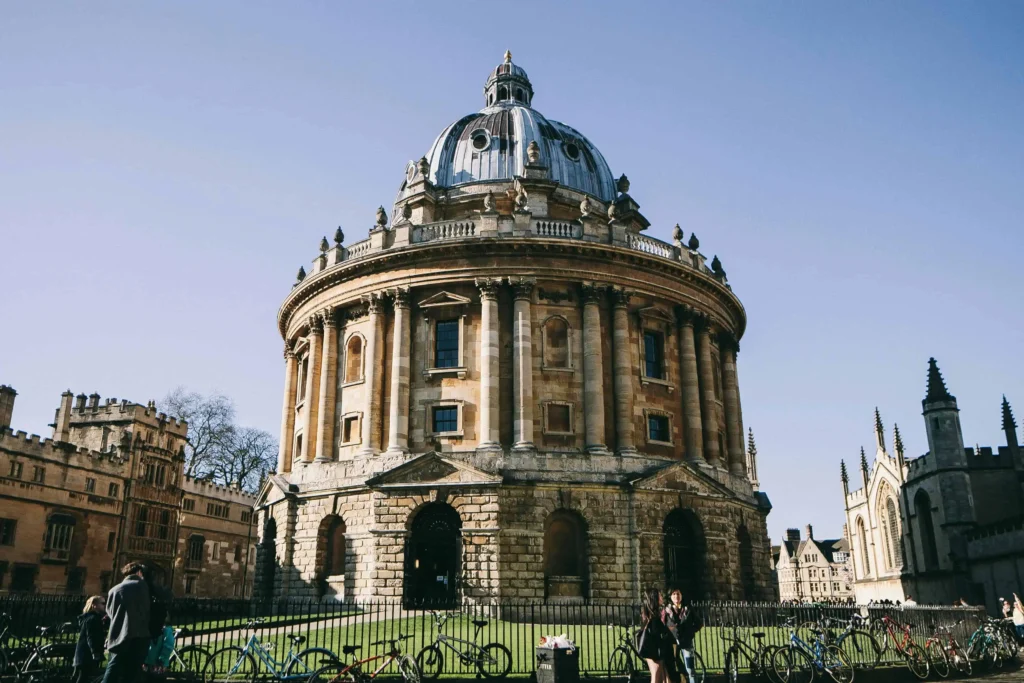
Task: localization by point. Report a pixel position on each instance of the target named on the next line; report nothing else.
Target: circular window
(571, 150)
(481, 140)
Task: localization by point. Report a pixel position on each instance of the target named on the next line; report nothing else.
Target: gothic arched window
(862, 534)
(926, 529)
(354, 359)
(332, 546)
(887, 514)
(892, 517)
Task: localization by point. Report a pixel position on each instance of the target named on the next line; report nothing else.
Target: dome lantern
(508, 83)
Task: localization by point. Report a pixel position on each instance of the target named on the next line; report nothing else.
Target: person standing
(89, 650)
(654, 642)
(682, 624)
(128, 639)
(1018, 617)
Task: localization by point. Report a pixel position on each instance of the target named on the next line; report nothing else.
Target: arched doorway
(433, 557)
(685, 553)
(926, 530)
(565, 555)
(330, 556)
(268, 558)
(748, 581)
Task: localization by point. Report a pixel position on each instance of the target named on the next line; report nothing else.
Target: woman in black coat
(91, 636)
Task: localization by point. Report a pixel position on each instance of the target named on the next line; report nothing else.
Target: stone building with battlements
(942, 526)
(106, 489)
(508, 390)
(812, 570)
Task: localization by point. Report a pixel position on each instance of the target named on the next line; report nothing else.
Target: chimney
(7, 395)
(793, 535)
(62, 421)
(810, 533)
(94, 401)
(80, 402)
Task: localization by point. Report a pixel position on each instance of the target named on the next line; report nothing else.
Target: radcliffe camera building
(508, 390)
(109, 488)
(946, 525)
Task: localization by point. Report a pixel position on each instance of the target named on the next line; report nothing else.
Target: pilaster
(708, 406)
(328, 388)
(284, 453)
(593, 369)
(522, 290)
(622, 372)
(693, 432)
(398, 424)
(374, 304)
(488, 438)
(311, 414)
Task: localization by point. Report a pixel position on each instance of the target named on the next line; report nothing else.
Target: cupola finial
(508, 56)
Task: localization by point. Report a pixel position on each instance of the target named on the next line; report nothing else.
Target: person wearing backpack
(89, 649)
(655, 641)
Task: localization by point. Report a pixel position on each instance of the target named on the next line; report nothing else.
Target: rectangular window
(189, 504)
(446, 419)
(349, 429)
(446, 344)
(190, 585)
(105, 581)
(23, 578)
(246, 515)
(113, 490)
(238, 553)
(657, 428)
(141, 519)
(654, 355)
(90, 485)
(216, 551)
(16, 469)
(164, 530)
(39, 474)
(7, 529)
(76, 579)
(111, 539)
(559, 418)
(58, 536)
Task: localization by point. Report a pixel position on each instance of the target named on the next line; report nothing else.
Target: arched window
(926, 529)
(565, 555)
(887, 514)
(331, 542)
(748, 583)
(556, 342)
(354, 359)
(892, 517)
(862, 534)
(267, 558)
(502, 93)
(684, 552)
(519, 94)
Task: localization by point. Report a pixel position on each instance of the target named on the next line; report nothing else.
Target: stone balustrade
(564, 229)
(447, 230)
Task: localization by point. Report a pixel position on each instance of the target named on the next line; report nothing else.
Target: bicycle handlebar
(392, 641)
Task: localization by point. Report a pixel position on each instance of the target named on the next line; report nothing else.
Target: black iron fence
(596, 628)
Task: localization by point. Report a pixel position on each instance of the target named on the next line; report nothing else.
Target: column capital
(316, 323)
(688, 316)
(401, 297)
(374, 302)
(727, 341)
(620, 297)
(592, 292)
(289, 350)
(488, 287)
(522, 288)
(330, 317)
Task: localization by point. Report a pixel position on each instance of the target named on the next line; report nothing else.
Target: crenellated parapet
(209, 489)
(19, 443)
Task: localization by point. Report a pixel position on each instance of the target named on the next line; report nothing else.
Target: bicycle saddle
(759, 636)
(350, 649)
(297, 640)
(480, 622)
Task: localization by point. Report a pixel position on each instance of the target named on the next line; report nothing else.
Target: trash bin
(558, 665)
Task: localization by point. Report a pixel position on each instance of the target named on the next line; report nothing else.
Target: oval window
(571, 150)
(481, 140)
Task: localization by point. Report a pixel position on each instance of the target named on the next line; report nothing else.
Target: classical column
(593, 369)
(691, 386)
(708, 405)
(523, 363)
(488, 438)
(623, 372)
(284, 453)
(374, 304)
(730, 388)
(398, 423)
(311, 399)
(328, 388)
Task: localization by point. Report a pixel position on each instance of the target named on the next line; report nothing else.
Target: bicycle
(944, 651)
(859, 645)
(493, 660)
(987, 644)
(340, 672)
(798, 661)
(913, 654)
(758, 660)
(625, 661)
(49, 661)
(188, 662)
(233, 663)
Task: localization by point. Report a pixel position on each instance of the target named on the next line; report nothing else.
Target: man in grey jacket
(128, 638)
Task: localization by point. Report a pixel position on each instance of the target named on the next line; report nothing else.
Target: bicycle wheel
(495, 660)
(188, 662)
(45, 665)
(837, 664)
(792, 665)
(958, 658)
(862, 649)
(431, 662)
(917, 660)
(620, 664)
(229, 665)
(335, 672)
(699, 672)
(309, 660)
(937, 656)
(733, 664)
(766, 664)
(409, 670)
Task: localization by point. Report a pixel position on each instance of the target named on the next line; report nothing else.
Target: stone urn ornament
(612, 211)
(382, 218)
(622, 184)
(677, 234)
(407, 211)
(533, 152)
(489, 202)
(424, 167)
(586, 207)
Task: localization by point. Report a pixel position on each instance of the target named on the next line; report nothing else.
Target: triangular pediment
(683, 477)
(444, 299)
(431, 470)
(655, 313)
(275, 488)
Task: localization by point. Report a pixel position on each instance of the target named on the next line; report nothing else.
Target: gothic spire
(897, 440)
(879, 431)
(1009, 424)
(864, 467)
(752, 460)
(936, 385)
(842, 473)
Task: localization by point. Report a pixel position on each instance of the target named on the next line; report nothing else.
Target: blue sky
(166, 167)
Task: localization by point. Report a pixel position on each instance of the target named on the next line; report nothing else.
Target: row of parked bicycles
(46, 657)
(834, 650)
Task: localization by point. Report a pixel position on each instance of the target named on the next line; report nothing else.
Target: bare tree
(211, 419)
(246, 458)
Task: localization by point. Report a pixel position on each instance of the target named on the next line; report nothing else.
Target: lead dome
(492, 144)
